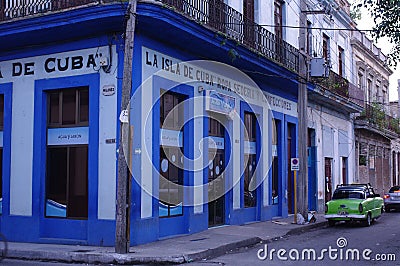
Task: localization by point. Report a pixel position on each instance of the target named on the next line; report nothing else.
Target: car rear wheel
(387, 209)
(368, 221)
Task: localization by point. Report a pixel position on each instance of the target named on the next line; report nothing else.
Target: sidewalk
(210, 243)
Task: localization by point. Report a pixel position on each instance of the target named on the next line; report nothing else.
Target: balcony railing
(222, 18)
(10, 9)
(375, 115)
(213, 13)
(341, 86)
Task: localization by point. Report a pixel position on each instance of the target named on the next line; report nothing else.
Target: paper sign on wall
(68, 136)
(250, 147)
(216, 143)
(171, 138)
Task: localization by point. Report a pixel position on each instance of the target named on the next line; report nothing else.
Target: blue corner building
(212, 120)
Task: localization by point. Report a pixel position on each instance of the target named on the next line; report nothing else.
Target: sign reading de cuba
(62, 63)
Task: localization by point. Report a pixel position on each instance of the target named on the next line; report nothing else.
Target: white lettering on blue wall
(51, 64)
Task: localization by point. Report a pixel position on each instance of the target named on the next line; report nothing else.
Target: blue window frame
(275, 161)
(66, 164)
(250, 159)
(171, 155)
(76, 229)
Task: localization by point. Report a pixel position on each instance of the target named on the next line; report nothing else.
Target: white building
(332, 103)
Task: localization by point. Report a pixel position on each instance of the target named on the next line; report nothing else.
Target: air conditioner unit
(319, 67)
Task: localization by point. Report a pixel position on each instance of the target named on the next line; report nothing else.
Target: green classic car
(355, 202)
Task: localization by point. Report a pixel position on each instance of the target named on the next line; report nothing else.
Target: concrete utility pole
(302, 184)
(122, 230)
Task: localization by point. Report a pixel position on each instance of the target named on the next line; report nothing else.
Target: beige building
(395, 112)
(375, 129)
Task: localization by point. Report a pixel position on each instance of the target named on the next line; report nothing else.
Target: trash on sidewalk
(280, 223)
(300, 219)
(311, 217)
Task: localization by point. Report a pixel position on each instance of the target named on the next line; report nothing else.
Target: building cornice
(368, 53)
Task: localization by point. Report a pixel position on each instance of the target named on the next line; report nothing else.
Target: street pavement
(12, 262)
(201, 246)
(345, 244)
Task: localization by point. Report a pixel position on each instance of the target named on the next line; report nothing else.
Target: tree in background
(386, 15)
(355, 12)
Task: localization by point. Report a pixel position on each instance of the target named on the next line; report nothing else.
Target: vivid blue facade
(44, 36)
(88, 31)
(168, 33)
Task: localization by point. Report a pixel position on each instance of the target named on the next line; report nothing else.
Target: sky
(366, 23)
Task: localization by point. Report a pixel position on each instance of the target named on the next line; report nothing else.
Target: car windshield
(348, 194)
(394, 189)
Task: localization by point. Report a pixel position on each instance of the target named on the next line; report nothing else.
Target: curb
(212, 253)
(221, 250)
(123, 259)
(306, 228)
(92, 258)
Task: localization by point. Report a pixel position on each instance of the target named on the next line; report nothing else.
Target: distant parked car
(354, 202)
(392, 199)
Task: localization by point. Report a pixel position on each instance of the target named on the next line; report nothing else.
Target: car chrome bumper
(392, 203)
(349, 216)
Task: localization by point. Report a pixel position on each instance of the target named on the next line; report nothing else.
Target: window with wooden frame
(68, 108)
(250, 125)
(67, 165)
(216, 14)
(360, 80)
(278, 22)
(369, 88)
(341, 61)
(309, 38)
(249, 22)
(325, 47)
(275, 162)
(278, 18)
(215, 128)
(171, 156)
(377, 91)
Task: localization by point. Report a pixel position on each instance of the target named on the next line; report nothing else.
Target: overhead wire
(348, 69)
(300, 27)
(353, 140)
(331, 50)
(315, 83)
(316, 30)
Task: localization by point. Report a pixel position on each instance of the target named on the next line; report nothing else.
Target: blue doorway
(312, 171)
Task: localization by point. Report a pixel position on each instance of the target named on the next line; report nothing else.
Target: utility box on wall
(319, 67)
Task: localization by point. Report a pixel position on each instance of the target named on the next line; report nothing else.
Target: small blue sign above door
(220, 103)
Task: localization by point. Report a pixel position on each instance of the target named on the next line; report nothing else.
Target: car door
(370, 202)
(376, 206)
